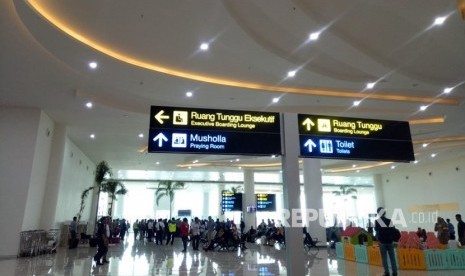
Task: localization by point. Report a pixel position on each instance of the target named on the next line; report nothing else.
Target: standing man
(171, 231)
(384, 228)
(160, 228)
(135, 228)
(102, 240)
(460, 229)
(195, 228)
(184, 233)
(73, 231)
(210, 228)
(451, 229)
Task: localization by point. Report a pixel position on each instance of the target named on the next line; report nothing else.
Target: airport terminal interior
(289, 113)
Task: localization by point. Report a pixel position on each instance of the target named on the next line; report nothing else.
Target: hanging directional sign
(196, 130)
(354, 138)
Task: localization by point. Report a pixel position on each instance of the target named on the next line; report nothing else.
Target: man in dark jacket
(102, 240)
(460, 229)
(384, 229)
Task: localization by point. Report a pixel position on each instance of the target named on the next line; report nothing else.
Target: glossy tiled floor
(139, 258)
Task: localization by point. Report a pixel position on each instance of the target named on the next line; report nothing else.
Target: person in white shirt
(159, 228)
(195, 230)
(149, 230)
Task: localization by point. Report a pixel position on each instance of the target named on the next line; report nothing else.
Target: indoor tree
(102, 183)
(168, 188)
(113, 188)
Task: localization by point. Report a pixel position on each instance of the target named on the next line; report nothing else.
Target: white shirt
(195, 227)
(160, 226)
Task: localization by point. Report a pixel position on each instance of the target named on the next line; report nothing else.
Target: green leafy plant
(102, 183)
(235, 189)
(168, 188)
(346, 191)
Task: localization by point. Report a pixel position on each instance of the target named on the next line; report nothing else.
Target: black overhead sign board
(211, 131)
(266, 202)
(354, 138)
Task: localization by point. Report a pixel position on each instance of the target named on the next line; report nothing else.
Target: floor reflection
(141, 258)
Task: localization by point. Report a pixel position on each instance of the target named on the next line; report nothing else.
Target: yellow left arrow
(159, 117)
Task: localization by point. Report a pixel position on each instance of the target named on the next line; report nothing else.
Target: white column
(291, 190)
(379, 192)
(54, 179)
(206, 205)
(25, 147)
(220, 197)
(314, 198)
(249, 199)
(118, 207)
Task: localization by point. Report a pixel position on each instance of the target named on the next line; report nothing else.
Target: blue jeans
(388, 248)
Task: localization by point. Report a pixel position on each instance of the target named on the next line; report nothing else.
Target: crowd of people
(207, 234)
(210, 234)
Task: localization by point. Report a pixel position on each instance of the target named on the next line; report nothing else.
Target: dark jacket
(384, 230)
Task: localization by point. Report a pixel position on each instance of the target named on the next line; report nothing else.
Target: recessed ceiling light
(358, 171)
(353, 166)
(141, 135)
(425, 145)
(415, 162)
(275, 100)
(190, 167)
(93, 65)
(92, 136)
(423, 107)
(195, 161)
(447, 90)
(393, 167)
(237, 159)
(356, 103)
(291, 74)
(273, 156)
(314, 36)
(439, 20)
(189, 94)
(370, 85)
(240, 168)
(89, 104)
(204, 46)
(433, 155)
(157, 163)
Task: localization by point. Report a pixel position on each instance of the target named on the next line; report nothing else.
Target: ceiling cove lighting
(72, 31)
(93, 65)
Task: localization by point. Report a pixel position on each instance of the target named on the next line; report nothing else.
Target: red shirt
(184, 229)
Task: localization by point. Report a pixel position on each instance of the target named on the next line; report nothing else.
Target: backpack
(395, 234)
